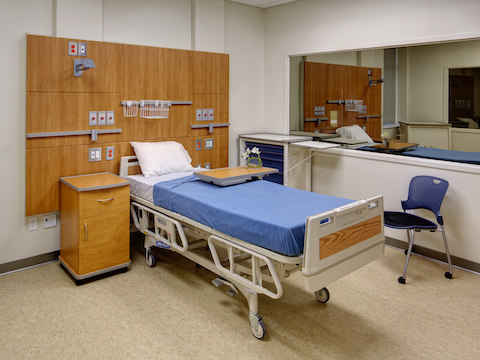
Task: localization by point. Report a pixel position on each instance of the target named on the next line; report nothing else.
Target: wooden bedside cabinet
(95, 224)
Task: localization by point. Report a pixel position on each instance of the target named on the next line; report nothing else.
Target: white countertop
(276, 137)
(316, 145)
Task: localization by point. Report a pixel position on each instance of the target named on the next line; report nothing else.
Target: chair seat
(401, 220)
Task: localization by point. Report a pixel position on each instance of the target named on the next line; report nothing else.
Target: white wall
(163, 23)
(244, 41)
(357, 175)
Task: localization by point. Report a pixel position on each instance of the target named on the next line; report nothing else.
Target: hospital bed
(254, 249)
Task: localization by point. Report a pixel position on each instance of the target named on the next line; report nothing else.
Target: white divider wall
(339, 173)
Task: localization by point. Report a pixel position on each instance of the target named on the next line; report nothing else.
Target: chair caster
(448, 275)
(406, 251)
(401, 280)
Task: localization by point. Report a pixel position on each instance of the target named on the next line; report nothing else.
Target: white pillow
(161, 158)
(354, 132)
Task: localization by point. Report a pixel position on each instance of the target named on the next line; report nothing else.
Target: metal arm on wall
(93, 133)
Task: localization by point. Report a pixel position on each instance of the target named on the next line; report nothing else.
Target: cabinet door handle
(86, 231)
(105, 200)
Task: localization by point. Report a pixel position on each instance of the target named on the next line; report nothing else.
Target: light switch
(110, 117)
(209, 144)
(82, 49)
(92, 118)
(102, 117)
(95, 154)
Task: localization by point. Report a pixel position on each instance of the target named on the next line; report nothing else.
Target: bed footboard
(340, 241)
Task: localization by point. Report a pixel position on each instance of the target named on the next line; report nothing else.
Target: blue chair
(425, 192)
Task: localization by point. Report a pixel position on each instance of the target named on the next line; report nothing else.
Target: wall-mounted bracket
(93, 133)
(367, 117)
(209, 126)
(318, 120)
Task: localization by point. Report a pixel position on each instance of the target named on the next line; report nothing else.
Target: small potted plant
(385, 139)
(252, 157)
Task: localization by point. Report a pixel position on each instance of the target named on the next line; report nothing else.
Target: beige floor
(173, 312)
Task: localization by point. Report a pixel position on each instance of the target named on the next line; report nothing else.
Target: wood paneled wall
(323, 82)
(57, 101)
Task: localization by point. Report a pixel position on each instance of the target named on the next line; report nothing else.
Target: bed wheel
(401, 280)
(322, 295)
(259, 330)
(448, 275)
(150, 258)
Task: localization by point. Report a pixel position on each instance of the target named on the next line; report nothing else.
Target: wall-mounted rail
(93, 133)
(209, 126)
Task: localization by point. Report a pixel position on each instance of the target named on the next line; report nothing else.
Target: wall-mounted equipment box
(92, 118)
(102, 117)
(110, 117)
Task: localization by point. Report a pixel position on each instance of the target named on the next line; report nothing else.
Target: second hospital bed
(254, 235)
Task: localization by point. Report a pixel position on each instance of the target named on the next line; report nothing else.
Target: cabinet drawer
(98, 202)
(104, 241)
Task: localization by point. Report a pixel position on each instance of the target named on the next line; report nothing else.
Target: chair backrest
(426, 192)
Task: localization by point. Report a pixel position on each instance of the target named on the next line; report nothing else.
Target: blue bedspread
(437, 154)
(260, 212)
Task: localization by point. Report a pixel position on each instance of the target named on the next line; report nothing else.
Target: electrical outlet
(95, 154)
(92, 118)
(110, 117)
(109, 152)
(82, 49)
(72, 48)
(199, 115)
(209, 144)
(32, 224)
(207, 166)
(198, 144)
(49, 221)
(102, 117)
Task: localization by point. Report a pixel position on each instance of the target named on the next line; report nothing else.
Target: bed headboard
(59, 131)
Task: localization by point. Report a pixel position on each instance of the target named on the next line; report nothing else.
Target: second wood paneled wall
(57, 101)
(323, 82)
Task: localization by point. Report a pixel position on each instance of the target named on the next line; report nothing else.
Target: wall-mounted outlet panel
(82, 49)
(72, 48)
(198, 144)
(209, 144)
(92, 118)
(207, 166)
(102, 117)
(109, 152)
(210, 114)
(32, 224)
(110, 117)
(204, 114)
(95, 154)
(199, 115)
(49, 221)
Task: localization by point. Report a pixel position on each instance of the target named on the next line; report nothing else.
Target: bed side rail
(162, 225)
(125, 163)
(340, 241)
(254, 283)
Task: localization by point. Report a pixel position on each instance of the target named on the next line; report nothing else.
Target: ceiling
(263, 3)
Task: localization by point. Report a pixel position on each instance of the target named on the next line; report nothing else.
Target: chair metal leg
(448, 274)
(411, 236)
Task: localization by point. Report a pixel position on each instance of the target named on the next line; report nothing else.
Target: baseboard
(136, 237)
(31, 261)
(433, 254)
